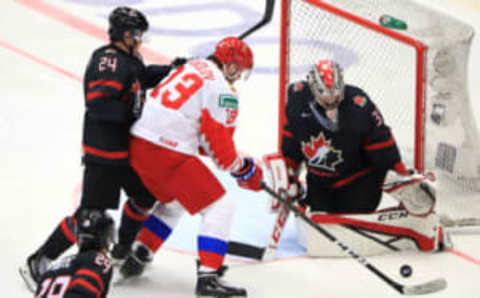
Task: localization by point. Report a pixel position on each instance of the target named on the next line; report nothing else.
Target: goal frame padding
(420, 80)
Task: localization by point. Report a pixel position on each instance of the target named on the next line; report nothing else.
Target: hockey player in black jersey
(341, 136)
(88, 273)
(114, 85)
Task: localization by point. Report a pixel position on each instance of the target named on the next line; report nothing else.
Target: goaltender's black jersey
(86, 275)
(359, 144)
(114, 87)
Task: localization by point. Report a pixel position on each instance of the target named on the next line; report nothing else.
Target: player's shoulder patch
(360, 100)
(298, 86)
(110, 51)
(228, 101)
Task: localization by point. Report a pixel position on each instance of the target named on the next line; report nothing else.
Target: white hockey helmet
(326, 83)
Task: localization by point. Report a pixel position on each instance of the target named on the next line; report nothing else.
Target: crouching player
(88, 273)
(340, 136)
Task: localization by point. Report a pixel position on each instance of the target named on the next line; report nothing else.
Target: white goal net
(412, 61)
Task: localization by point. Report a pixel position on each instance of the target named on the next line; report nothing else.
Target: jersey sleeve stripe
(67, 232)
(380, 145)
(351, 178)
(287, 133)
(86, 285)
(93, 275)
(96, 94)
(107, 83)
(105, 154)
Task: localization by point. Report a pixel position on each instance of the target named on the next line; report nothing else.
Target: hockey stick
(424, 288)
(262, 253)
(245, 250)
(267, 16)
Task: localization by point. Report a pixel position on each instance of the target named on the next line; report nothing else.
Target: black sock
(131, 222)
(62, 238)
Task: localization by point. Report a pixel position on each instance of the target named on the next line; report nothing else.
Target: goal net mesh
(416, 75)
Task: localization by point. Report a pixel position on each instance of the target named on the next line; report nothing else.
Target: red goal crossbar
(420, 81)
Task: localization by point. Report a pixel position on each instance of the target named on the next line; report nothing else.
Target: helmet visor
(233, 72)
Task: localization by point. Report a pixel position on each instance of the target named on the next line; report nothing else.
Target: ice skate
(210, 285)
(33, 269)
(119, 253)
(135, 263)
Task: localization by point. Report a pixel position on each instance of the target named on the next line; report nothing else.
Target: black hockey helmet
(95, 229)
(124, 18)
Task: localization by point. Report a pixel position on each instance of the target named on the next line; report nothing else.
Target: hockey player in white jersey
(194, 111)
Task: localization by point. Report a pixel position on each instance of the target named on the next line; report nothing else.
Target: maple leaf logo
(321, 154)
(310, 149)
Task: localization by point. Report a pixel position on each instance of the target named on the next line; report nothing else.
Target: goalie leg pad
(384, 231)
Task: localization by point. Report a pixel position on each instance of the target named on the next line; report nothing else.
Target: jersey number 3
(178, 88)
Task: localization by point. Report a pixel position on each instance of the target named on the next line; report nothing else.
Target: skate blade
(117, 262)
(27, 277)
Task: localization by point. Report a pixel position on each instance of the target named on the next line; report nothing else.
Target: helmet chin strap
(134, 36)
(231, 78)
(328, 106)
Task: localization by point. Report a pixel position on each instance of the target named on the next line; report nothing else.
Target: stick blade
(432, 286)
(245, 250)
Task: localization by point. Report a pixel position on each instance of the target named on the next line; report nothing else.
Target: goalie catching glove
(416, 192)
(249, 176)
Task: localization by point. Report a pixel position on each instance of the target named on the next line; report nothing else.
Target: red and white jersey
(193, 108)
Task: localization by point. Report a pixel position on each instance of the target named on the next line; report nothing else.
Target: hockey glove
(416, 192)
(179, 61)
(249, 176)
(400, 169)
(295, 189)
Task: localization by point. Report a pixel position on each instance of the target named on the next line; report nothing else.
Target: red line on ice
(40, 61)
(463, 256)
(80, 24)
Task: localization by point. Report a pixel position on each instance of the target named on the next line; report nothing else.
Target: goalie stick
(276, 166)
(424, 288)
(262, 253)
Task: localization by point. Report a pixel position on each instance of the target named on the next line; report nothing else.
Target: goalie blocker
(409, 225)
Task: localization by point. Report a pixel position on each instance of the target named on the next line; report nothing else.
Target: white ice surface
(40, 135)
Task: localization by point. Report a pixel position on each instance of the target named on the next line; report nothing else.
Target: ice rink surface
(44, 47)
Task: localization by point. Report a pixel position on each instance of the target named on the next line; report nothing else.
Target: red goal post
(420, 64)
